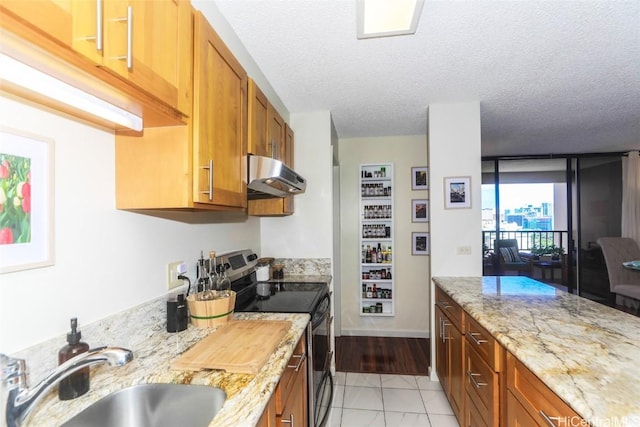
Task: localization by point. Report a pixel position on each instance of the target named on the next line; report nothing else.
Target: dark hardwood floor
(383, 355)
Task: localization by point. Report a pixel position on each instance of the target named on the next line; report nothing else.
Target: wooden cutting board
(241, 346)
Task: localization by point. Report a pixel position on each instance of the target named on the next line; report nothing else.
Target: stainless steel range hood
(269, 178)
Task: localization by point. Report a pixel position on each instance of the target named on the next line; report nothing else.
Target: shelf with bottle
(376, 240)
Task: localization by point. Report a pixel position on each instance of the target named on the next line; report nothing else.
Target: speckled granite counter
(587, 353)
(247, 395)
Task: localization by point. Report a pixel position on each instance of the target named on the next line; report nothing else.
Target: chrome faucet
(17, 399)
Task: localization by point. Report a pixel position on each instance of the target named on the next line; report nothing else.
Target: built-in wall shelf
(377, 290)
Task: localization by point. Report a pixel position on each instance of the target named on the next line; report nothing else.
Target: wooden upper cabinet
(269, 136)
(145, 43)
(219, 120)
(200, 166)
(258, 106)
(275, 134)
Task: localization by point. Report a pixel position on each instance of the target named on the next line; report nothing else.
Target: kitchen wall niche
(377, 291)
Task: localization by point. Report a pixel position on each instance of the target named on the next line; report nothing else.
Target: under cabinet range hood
(269, 178)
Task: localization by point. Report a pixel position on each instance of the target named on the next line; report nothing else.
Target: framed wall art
(26, 201)
(419, 178)
(419, 210)
(419, 243)
(457, 192)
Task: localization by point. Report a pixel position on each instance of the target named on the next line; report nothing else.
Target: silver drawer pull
(289, 421)
(549, 420)
(302, 357)
(473, 336)
(472, 376)
(444, 305)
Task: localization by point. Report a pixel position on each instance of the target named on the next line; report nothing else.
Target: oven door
(321, 390)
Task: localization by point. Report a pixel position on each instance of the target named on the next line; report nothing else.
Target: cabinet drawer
(482, 388)
(542, 404)
(483, 342)
(453, 311)
(294, 369)
(473, 417)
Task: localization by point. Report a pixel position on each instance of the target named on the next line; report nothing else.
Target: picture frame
(419, 210)
(420, 243)
(457, 192)
(419, 178)
(27, 196)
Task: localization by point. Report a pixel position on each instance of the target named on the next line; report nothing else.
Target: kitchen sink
(157, 405)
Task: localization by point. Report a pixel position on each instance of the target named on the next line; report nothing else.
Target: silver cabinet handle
(444, 305)
(473, 336)
(302, 357)
(444, 326)
(129, 19)
(98, 36)
(472, 376)
(547, 419)
(289, 421)
(209, 192)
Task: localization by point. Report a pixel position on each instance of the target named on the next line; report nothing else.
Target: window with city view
(522, 207)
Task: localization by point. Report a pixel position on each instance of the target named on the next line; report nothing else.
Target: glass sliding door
(599, 201)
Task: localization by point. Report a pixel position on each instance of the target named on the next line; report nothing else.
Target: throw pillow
(510, 254)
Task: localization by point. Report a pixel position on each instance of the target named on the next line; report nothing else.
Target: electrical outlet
(464, 250)
(173, 270)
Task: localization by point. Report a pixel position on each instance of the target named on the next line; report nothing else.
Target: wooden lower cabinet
(543, 406)
(268, 418)
(291, 392)
(450, 360)
(288, 404)
(486, 385)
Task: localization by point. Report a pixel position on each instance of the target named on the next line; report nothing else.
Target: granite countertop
(587, 353)
(247, 395)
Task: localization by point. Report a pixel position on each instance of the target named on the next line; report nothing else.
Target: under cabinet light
(383, 18)
(29, 78)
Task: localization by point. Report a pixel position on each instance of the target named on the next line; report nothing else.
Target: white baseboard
(383, 333)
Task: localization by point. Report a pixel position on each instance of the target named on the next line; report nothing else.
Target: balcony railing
(527, 238)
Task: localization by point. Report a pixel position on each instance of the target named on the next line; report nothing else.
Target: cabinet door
(258, 105)
(456, 371)
(148, 43)
(294, 412)
(219, 121)
(275, 134)
(442, 361)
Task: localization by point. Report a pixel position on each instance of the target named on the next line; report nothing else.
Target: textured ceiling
(551, 76)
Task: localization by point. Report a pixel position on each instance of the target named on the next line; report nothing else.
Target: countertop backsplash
(305, 266)
(129, 327)
(124, 329)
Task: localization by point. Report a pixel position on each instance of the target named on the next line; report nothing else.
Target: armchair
(509, 256)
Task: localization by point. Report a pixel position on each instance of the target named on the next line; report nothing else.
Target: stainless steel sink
(153, 405)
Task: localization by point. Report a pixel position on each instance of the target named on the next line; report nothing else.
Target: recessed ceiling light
(383, 18)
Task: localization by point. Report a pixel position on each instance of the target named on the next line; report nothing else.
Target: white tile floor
(378, 400)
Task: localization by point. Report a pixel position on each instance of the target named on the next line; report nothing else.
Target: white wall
(454, 150)
(308, 232)
(411, 283)
(105, 260)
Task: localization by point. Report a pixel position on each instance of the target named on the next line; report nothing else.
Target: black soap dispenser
(76, 384)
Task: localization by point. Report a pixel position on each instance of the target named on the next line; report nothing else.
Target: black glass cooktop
(280, 297)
